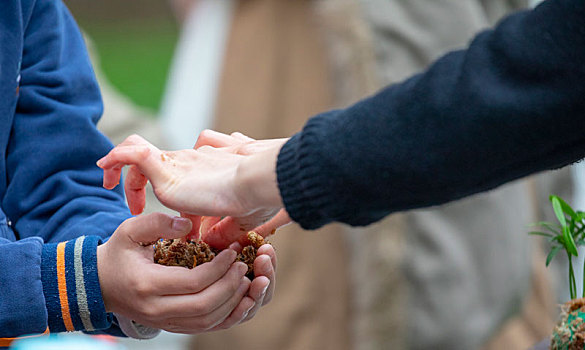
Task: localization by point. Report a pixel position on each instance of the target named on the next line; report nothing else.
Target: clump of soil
(569, 333)
(176, 252)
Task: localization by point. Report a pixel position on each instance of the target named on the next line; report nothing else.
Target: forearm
(22, 310)
(53, 187)
(510, 105)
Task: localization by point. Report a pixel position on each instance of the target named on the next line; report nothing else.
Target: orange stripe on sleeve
(62, 283)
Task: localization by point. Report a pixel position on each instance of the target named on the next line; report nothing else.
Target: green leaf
(552, 254)
(541, 223)
(567, 236)
(569, 242)
(566, 208)
(556, 203)
(538, 233)
(579, 233)
(552, 227)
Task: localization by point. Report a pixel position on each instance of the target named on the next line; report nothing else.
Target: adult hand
(174, 298)
(257, 175)
(225, 175)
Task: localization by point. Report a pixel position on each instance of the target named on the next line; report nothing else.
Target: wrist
(100, 255)
(256, 180)
(71, 286)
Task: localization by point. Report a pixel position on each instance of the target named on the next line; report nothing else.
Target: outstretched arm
(220, 178)
(509, 105)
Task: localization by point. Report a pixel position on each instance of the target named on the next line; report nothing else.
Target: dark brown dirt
(176, 252)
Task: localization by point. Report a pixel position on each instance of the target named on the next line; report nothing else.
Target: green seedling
(566, 234)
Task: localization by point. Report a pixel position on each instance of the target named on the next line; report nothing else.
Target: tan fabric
(536, 319)
(274, 78)
(466, 265)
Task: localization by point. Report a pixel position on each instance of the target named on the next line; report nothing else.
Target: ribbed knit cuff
(304, 188)
(71, 286)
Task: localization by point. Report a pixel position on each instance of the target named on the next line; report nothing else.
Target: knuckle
(134, 137)
(143, 152)
(244, 149)
(205, 148)
(207, 323)
(196, 284)
(143, 288)
(235, 283)
(202, 308)
(160, 218)
(150, 312)
(158, 221)
(205, 136)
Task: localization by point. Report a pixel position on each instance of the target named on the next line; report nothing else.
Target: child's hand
(261, 289)
(173, 298)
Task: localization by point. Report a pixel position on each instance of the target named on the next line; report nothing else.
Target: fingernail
(229, 252)
(247, 312)
(181, 224)
(265, 289)
(242, 268)
(233, 254)
(99, 163)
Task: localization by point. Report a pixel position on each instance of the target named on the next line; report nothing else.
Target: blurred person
(55, 216)
(499, 299)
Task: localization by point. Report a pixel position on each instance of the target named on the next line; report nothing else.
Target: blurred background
(462, 276)
(134, 42)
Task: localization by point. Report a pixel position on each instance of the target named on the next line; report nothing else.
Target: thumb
(279, 220)
(193, 234)
(145, 229)
(270, 227)
(223, 233)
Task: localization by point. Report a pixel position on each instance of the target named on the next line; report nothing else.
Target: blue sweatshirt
(53, 209)
(511, 104)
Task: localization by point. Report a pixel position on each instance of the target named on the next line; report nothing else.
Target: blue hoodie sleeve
(54, 191)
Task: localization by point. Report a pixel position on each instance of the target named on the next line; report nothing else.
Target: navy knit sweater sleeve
(511, 104)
